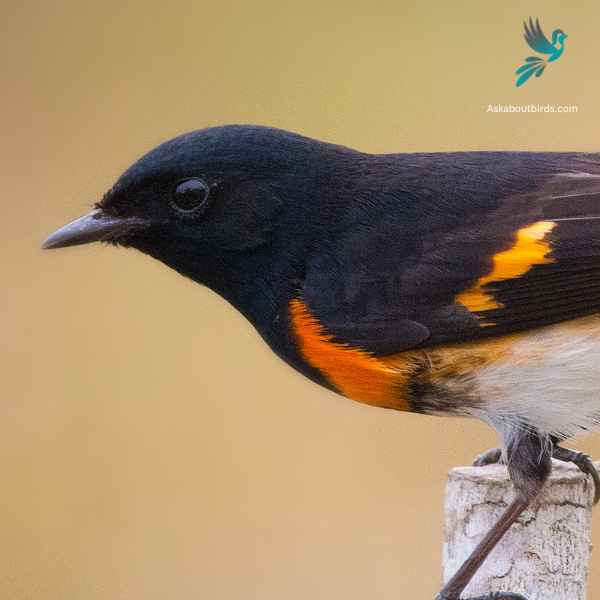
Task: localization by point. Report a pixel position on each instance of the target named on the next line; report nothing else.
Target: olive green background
(151, 446)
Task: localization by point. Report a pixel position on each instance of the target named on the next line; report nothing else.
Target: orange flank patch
(529, 249)
(354, 372)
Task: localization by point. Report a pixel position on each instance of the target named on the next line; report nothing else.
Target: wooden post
(544, 556)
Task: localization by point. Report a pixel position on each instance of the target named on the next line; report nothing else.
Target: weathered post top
(544, 555)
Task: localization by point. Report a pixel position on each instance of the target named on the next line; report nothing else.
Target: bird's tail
(532, 65)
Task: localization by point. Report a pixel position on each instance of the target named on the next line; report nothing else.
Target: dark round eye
(190, 195)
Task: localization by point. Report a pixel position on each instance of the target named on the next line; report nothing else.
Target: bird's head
(216, 205)
(558, 37)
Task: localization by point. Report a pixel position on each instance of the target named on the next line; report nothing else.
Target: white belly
(548, 379)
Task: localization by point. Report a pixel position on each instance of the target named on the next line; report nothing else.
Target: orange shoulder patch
(529, 249)
(354, 372)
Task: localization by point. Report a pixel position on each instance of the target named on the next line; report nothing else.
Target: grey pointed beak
(96, 226)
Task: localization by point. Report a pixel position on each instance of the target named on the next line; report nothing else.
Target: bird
(446, 283)
(538, 42)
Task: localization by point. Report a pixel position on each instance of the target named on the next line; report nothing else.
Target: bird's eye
(190, 196)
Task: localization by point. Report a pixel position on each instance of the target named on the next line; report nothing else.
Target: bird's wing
(491, 243)
(535, 37)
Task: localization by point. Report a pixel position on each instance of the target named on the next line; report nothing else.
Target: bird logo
(537, 41)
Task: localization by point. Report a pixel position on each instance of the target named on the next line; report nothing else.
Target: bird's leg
(583, 462)
(490, 457)
(529, 465)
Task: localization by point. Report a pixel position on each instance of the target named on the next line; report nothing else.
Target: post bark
(544, 556)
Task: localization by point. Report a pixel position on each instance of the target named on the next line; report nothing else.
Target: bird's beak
(96, 226)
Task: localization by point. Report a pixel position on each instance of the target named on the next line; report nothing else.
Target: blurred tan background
(151, 446)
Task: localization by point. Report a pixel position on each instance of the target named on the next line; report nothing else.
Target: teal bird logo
(538, 42)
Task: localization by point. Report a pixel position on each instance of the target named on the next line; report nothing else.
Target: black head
(225, 206)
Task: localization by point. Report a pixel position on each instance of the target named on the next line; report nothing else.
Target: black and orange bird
(462, 283)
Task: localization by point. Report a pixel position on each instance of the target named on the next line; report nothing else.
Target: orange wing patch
(530, 249)
(354, 372)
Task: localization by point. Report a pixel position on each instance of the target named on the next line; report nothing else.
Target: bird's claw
(583, 462)
(586, 466)
(490, 457)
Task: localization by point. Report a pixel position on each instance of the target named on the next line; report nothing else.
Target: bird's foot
(583, 462)
(491, 457)
(490, 596)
